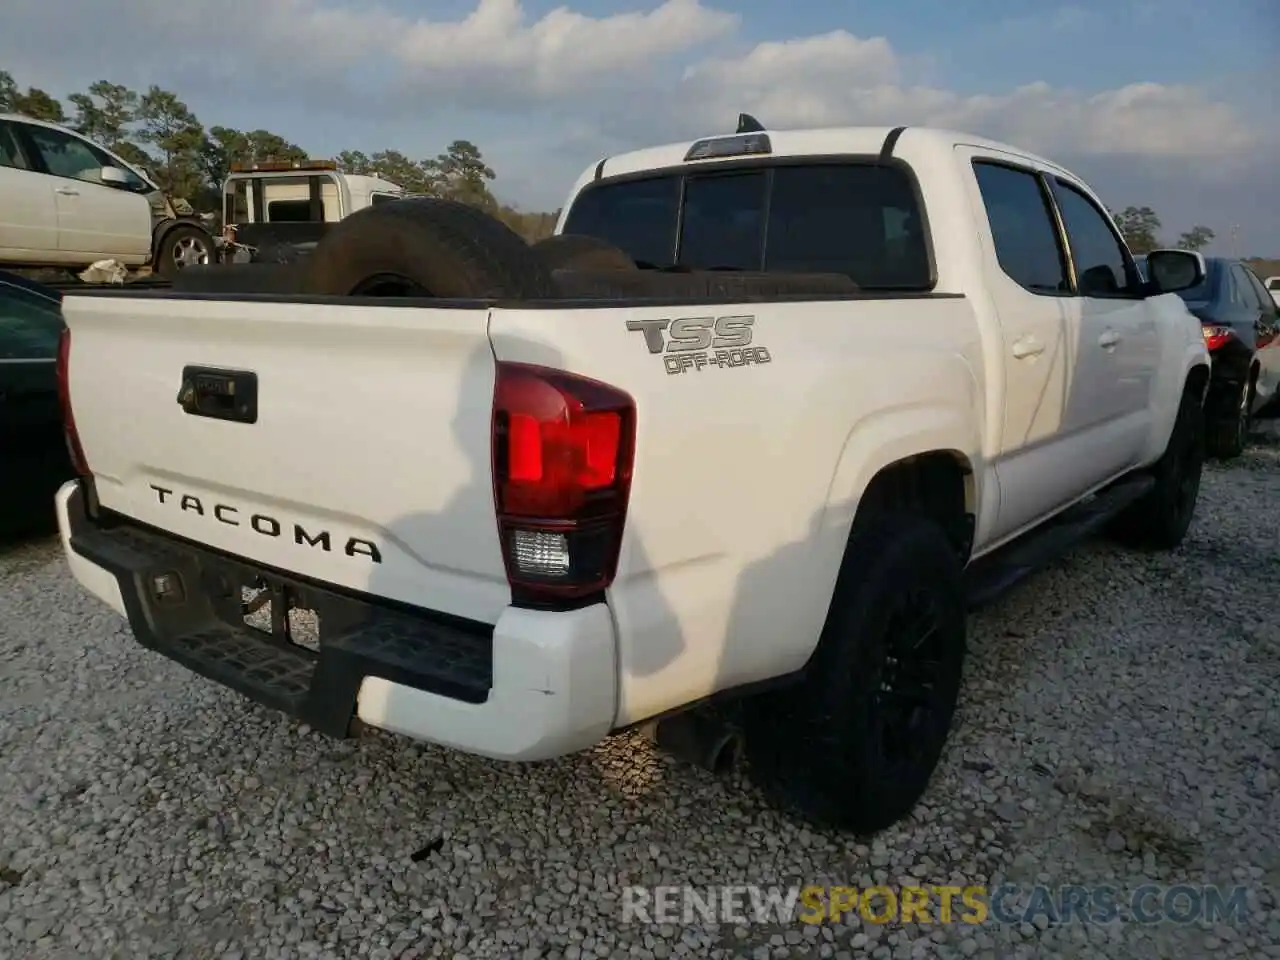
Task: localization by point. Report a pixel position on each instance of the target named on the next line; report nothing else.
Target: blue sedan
(1242, 331)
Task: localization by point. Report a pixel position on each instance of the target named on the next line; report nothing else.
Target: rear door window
(1022, 227)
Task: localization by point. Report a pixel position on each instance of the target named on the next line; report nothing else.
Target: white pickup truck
(736, 453)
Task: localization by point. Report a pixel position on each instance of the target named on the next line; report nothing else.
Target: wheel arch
(165, 227)
(925, 457)
(1195, 376)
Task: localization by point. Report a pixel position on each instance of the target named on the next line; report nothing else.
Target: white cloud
(838, 78)
(555, 56)
(629, 77)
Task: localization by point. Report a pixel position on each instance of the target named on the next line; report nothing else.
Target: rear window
(859, 219)
(289, 211)
(639, 216)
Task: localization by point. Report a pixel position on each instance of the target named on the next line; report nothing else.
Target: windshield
(855, 218)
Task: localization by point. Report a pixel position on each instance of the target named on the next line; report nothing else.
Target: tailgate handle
(219, 394)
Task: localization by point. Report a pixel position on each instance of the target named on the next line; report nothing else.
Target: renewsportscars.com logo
(932, 904)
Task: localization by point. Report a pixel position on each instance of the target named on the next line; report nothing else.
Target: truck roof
(813, 142)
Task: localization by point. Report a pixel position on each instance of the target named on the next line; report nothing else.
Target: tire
(817, 747)
(575, 251)
(1159, 520)
(182, 247)
(1226, 435)
(425, 247)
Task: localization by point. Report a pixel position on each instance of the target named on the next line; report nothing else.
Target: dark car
(33, 452)
(1242, 331)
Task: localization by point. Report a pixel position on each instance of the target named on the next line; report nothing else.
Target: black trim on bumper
(202, 627)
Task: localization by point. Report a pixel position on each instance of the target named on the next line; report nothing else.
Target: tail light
(563, 448)
(74, 450)
(1215, 335)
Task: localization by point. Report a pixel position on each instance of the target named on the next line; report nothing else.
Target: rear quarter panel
(747, 477)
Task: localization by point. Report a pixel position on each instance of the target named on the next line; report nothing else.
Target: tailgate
(368, 465)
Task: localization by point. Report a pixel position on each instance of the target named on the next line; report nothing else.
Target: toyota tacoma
(739, 448)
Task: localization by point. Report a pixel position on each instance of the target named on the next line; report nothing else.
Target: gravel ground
(1120, 725)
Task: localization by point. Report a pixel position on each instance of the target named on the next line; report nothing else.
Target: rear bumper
(534, 686)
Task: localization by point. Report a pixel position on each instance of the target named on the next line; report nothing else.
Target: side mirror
(113, 177)
(1174, 270)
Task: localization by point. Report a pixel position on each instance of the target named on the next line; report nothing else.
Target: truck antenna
(749, 124)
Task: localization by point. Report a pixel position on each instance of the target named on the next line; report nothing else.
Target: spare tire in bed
(578, 251)
(425, 247)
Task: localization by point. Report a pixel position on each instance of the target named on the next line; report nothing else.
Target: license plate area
(274, 609)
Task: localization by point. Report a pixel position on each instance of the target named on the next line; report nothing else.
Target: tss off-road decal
(694, 343)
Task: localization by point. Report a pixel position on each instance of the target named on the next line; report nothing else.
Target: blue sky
(1200, 142)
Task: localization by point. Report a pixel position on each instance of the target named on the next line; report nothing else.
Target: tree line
(1141, 227)
(157, 131)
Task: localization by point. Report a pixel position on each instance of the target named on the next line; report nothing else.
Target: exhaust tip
(703, 741)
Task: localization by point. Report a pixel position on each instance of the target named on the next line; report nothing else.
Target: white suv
(68, 202)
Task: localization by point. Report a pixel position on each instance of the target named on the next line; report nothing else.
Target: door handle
(68, 192)
(1028, 347)
(1108, 340)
